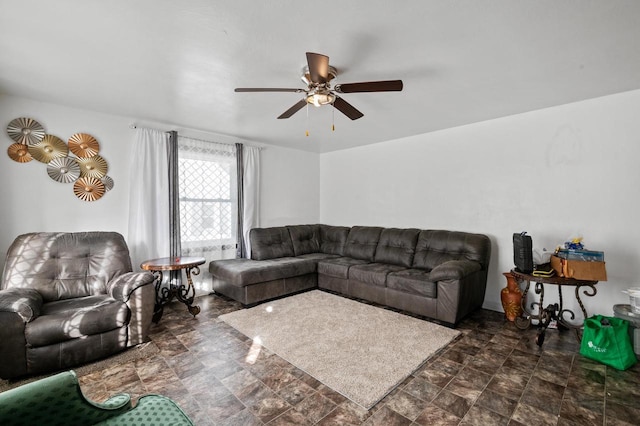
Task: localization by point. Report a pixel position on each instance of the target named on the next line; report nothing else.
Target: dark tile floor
(494, 374)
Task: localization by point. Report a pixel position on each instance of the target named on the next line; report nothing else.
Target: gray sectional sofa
(435, 273)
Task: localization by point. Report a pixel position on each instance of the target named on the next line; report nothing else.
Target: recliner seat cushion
(373, 273)
(270, 243)
(338, 268)
(414, 281)
(72, 318)
(362, 242)
(396, 246)
(243, 272)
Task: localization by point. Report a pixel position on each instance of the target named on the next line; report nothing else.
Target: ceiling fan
(317, 75)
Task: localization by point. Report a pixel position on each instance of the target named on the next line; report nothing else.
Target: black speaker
(523, 252)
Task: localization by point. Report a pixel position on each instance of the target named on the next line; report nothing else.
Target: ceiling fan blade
(347, 109)
(266, 89)
(298, 106)
(370, 86)
(318, 67)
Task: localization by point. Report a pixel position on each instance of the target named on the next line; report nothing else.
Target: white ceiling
(177, 62)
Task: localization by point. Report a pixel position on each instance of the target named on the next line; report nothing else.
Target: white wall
(31, 201)
(290, 187)
(553, 173)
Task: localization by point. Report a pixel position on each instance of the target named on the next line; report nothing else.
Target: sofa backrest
(397, 246)
(270, 243)
(333, 239)
(362, 242)
(435, 247)
(305, 238)
(63, 265)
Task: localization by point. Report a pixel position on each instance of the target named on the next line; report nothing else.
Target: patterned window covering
(208, 202)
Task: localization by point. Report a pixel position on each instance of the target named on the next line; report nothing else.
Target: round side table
(184, 293)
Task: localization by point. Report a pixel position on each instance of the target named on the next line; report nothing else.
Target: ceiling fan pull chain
(307, 131)
(333, 118)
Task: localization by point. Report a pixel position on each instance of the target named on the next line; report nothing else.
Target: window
(208, 198)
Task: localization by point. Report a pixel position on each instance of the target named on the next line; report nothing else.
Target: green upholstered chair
(58, 400)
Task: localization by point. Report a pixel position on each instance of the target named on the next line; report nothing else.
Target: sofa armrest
(121, 401)
(454, 270)
(121, 287)
(58, 399)
(26, 302)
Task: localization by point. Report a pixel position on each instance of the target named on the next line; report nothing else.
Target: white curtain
(251, 194)
(148, 234)
(212, 239)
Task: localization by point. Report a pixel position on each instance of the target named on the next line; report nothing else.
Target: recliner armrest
(25, 302)
(121, 287)
(454, 270)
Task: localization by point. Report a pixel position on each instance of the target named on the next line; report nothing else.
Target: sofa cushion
(373, 273)
(243, 272)
(317, 256)
(333, 239)
(362, 242)
(396, 246)
(436, 247)
(270, 243)
(413, 281)
(72, 318)
(339, 267)
(305, 239)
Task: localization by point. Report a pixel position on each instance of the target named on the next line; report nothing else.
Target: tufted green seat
(58, 400)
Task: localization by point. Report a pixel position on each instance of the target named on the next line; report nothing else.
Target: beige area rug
(131, 354)
(358, 350)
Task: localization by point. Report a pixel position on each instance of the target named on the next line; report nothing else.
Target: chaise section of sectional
(283, 261)
(253, 281)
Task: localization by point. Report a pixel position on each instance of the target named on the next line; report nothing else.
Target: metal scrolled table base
(166, 293)
(556, 311)
(184, 294)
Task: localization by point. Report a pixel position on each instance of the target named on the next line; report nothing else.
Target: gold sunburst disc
(48, 148)
(95, 167)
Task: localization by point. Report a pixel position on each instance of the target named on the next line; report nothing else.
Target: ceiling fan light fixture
(317, 76)
(319, 99)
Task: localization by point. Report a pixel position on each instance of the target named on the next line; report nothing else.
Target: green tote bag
(606, 340)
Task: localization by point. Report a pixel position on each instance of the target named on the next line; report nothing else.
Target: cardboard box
(578, 269)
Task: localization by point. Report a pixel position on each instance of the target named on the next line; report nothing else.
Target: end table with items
(556, 311)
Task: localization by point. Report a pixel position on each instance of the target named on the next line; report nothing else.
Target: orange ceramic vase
(511, 297)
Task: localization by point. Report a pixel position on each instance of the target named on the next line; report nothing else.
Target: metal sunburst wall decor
(77, 163)
(65, 170)
(25, 131)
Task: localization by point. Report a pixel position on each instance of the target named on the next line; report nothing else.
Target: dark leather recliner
(70, 298)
